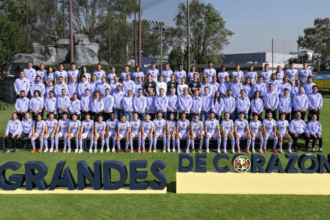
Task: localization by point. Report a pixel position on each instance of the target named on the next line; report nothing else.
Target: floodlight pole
(188, 37)
(109, 32)
(140, 35)
(71, 34)
(26, 26)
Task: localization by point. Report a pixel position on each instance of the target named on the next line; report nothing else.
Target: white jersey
(112, 124)
(282, 126)
(40, 126)
(147, 126)
(64, 125)
(183, 126)
(74, 125)
(255, 126)
(241, 126)
(159, 125)
(123, 127)
(100, 126)
(51, 125)
(87, 125)
(135, 126)
(227, 125)
(269, 125)
(211, 126)
(197, 126)
(171, 125)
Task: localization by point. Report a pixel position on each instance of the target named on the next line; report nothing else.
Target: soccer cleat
(80, 151)
(179, 151)
(139, 150)
(143, 150)
(64, 151)
(193, 151)
(76, 150)
(253, 150)
(90, 151)
(69, 151)
(238, 150)
(32, 151)
(225, 151)
(187, 151)
(101, 151)
(56, 150)
(260, 151)
(219, 151)
(154, 151)
(149, 150)
(131, 151)
(265, 150)
(113, 150)
(168, 150)
(321, 150)
(40, 151)
(233, 151)
(173, 150)
(199, 151)
(275, 150)
(313, 150)
(290, 151)
(46, 150)
(119, 151)
(51, 150)
(208, 151)
(126, 151)
(164, 151)
(247, 151)
(108, 150)
(281, 151)
(95, 151)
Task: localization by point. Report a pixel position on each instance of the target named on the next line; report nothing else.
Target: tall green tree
(208, 33)
(176, 57)
(12, 40)
(317, 39)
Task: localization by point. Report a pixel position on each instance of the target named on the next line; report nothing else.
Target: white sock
(143, 142)
(33, 142)
(91, 144)
(95, 145)
(248, 144)
(225, 143)
(290, 145)
(164, 142)
(52, 143)
(126, 145)
(107, 142)
(233, 144)
(173, 143)
(219, 143)
(81, 144)
(201, 144)
(56, 142)
(207, 143)
(275, 142)
(118, 145)
(139, 143)
(237, 143)
(281, 145)
(45, 143)
(265, 142)
(178, 143)
(113, 143)
(65, 142)
(155, 142)
(188, 144)
(253, 142)
(168, 143)
(193, 144)
(261, 142)
(77, 143)
(41, 143)
(131, 143)
(102, 144)
(69, 144)
(151, 141)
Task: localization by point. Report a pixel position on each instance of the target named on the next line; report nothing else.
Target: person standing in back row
(210, 71)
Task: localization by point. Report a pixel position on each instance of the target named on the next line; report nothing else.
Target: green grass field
(169, 206)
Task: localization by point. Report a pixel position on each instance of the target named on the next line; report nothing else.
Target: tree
(176, 57)
(317, 39)
(208, 34)
(12, 40)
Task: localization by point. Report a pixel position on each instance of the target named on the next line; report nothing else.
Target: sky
(254, 22)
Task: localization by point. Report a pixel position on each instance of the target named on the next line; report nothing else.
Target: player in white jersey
(283, 132)
(87, 127)
(111, 132)
(51, 123)
(123, 131)
(171, 132)
(38, 131)
(242, 132)
(160, 131)
(196, 131)
(147, 129)
(99, 133)
(74, 131)
(255, 132)
(228, 132)
(183, 131)
(212, 131)
(135, 131)
(270, 131)
(62, 131)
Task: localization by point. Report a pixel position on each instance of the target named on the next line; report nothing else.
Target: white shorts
(183, 135)
(87, 134)
(159, 135)
(195, 134)
(242, 135)
(135, 134)
(282, 133)
(61, 133)
(256, 134)
(212, 135)
(227, 133)
(110, 134)
(122, 135)
(172, 131)
(74, 134)
(99, 133)
(146, 135)
(271, 135)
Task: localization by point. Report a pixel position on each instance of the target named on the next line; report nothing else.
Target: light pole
(109, 32)
(188, 36)
(71, 34)
(26, 26)
(140, 35)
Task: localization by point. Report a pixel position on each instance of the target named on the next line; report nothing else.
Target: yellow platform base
(252, 183)
(85, 191)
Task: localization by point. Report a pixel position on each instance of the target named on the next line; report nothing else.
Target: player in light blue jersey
(196, 131)
(160, 131)
(228, 132)
(283, 132)
(38, 131)
(123, 131)
(147, 130)
(74, 132)
(51, 123)
(242, 132)
(87, 127)
(183, 131)
(99, 127)
(171, 132)
(135, 131)
(270, 131)
(256, 132)
(111, 132)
